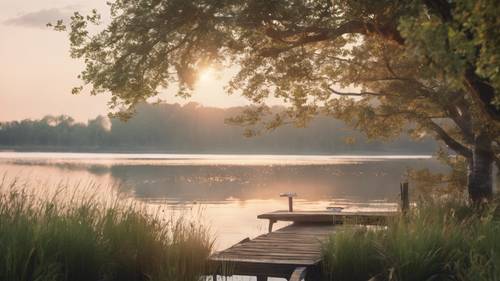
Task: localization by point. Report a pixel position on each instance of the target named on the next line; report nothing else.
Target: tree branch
(449, 141)
(360, 94)
(459, 112)
(313, 34)
(483, 92)
(440, 7)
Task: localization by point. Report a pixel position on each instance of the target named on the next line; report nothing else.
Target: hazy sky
(37, 74)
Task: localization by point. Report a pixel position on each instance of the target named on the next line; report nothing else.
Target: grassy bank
(437, 241)
(83, 238)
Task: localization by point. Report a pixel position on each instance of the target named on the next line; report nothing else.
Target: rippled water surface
(228, 191)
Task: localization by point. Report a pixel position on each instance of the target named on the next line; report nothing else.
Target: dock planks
(343, 217)
(292, 252)
(277, 254)
(324, 216)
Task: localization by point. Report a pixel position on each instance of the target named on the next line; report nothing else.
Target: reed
(438, 240)
(83, 238)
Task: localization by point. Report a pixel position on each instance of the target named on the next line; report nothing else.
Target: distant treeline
(193, 129)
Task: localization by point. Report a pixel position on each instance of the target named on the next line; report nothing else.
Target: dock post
(290, 196)
(298, 274)
(261, 278)
(270, 227)
(405, 198)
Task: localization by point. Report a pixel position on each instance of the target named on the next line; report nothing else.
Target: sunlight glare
(206, 74)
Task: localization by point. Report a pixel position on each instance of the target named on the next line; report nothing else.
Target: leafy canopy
(431, 64)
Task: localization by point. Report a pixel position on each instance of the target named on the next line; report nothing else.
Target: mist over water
(229, 190)
(226, 192)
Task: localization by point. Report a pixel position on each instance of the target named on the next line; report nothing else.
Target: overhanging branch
(449, 141)
(360, 94)
(483, 92)
(313, 34)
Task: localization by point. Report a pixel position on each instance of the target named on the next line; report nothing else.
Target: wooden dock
(332, 217)
(292, 252)
(276, 254)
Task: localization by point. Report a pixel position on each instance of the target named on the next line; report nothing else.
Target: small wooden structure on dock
(328, 217)
(292, 252)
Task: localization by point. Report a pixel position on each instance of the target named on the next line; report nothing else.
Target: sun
(206, 74)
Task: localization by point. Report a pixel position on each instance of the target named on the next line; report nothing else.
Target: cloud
(39, 19)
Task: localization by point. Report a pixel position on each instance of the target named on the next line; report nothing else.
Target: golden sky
(37, 74)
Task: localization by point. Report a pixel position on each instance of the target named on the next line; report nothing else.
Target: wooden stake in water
(405, 197)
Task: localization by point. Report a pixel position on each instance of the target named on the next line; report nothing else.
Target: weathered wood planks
(292, 252)
(365, 218)
(278, 253)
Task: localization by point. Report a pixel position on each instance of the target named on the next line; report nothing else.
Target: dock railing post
(290, 196)
(405, 197)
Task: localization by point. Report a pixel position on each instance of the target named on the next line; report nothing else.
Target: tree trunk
(480, 170)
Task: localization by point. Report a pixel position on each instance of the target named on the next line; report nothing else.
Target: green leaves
(402, 63)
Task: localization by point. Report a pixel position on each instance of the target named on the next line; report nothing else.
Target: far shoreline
(134, 150)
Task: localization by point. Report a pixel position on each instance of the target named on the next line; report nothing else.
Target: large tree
(432, 66)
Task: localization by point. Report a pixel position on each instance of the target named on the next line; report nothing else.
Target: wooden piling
(405, 197)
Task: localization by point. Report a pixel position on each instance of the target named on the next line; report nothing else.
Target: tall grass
(347, 246)
(83, 238)
(436, 241)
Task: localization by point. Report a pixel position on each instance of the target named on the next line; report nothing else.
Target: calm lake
(228, 191)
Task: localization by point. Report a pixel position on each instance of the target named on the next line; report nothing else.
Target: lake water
(228, 190)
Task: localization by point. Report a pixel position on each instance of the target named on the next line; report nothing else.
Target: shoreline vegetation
(193, 128)
(438, 240)
(67, 233)
(136, 150)
(78, 237)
